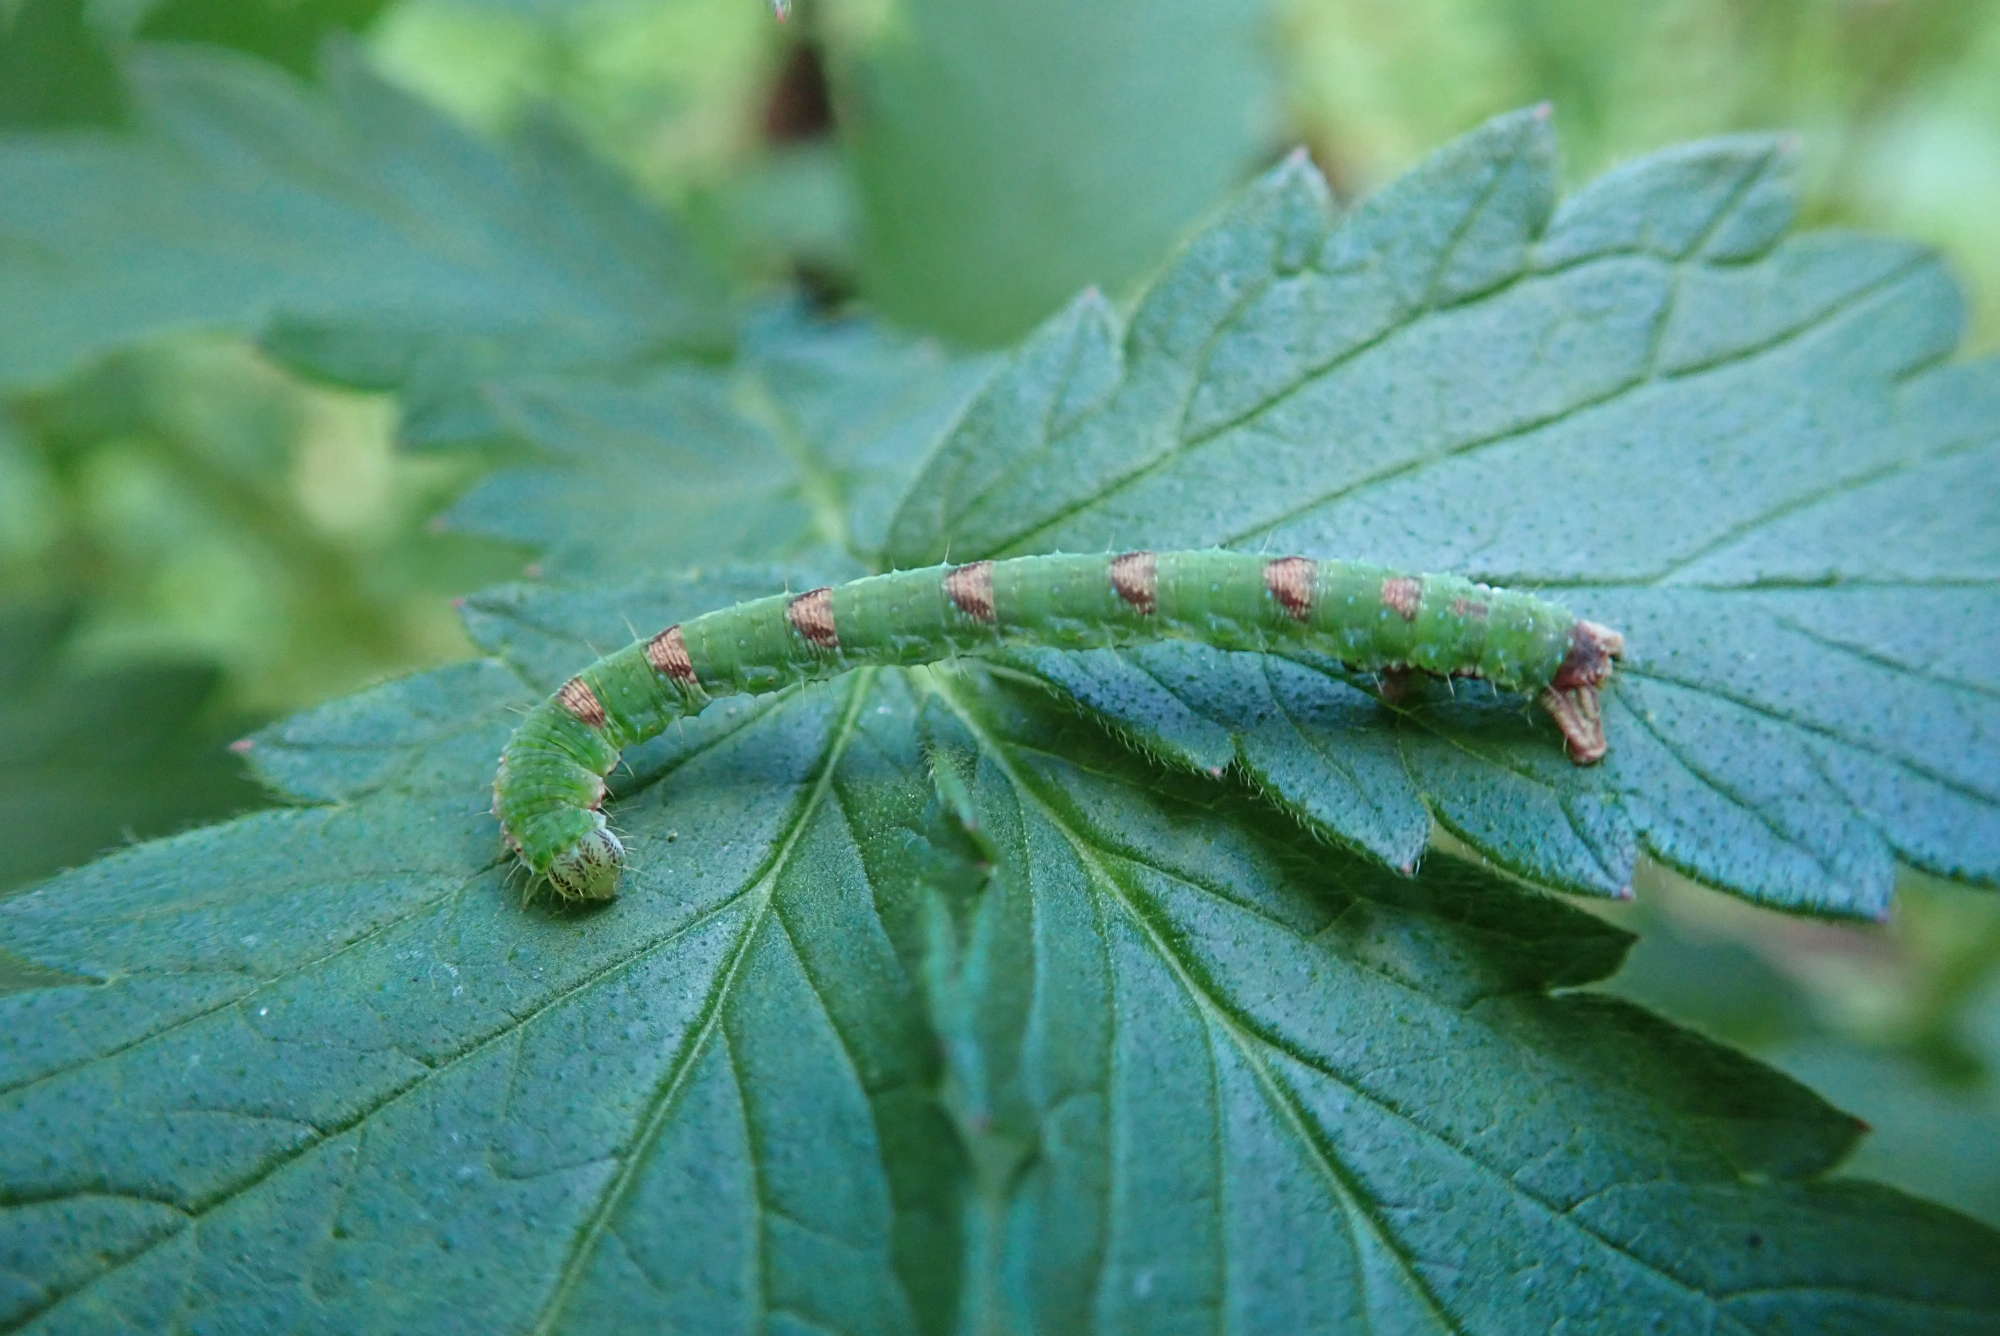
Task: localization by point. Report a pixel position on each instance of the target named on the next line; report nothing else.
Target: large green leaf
(1168, 1066)
(374, 241)
(925, 1008)
(1749, 453)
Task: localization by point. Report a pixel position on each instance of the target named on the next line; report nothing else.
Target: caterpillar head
(1594, 650)
(1571, 699)
(588, 868)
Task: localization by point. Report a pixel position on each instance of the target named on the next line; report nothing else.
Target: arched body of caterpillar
(549, 792)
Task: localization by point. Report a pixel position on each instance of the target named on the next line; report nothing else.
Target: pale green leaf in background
(1008, 154)
(375, 242)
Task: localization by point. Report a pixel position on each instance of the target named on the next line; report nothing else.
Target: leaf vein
(763, 887)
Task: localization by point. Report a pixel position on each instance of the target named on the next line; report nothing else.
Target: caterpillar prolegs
(549, 792)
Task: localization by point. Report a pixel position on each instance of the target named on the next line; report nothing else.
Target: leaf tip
(1297, 171)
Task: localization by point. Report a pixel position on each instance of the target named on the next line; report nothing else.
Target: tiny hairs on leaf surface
(549, 792)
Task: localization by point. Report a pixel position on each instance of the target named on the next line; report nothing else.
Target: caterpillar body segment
(549, 791)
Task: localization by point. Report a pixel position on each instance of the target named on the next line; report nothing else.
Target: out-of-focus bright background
(194, 539)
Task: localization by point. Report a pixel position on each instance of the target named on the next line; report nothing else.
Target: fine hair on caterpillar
(549, 792)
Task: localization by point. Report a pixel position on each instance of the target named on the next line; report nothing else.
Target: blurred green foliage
(55, 68)
(1897, 101)
(64, 790)
(202, 538)
(1900, 1026)
(194, 541)
(199, 502)
(985, 209)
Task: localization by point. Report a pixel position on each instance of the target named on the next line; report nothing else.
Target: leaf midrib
(763, 888)
(1209, 1009)
(1249, 1044)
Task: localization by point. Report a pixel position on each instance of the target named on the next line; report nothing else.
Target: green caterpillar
(549, 792)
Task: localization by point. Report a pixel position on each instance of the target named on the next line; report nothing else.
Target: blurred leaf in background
(212, 505)
(287, 33)
(670, 92)
(992, 159)
(221, 542)
(56, 67)
(1009, 154)
(149, 755)
(707, 105)
(944, 198)
(1900, 1026)
(1897, 101)
(60, 59)
(248, 203)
